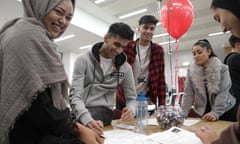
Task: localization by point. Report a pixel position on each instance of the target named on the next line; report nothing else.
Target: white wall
(184, 56)
(68, 61)
(170, 67)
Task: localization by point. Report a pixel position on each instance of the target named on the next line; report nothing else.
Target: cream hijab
(29, 63)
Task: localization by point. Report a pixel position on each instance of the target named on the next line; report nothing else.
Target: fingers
(202, 129)
(96, 126)
(99, 127)
(206, 134)
(209, 116)
(100, 123)
(127, 114)
(200, 133)
(208, 127)
(98, 131)
(100, 140)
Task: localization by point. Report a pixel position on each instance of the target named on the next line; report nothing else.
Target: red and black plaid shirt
(157, 85)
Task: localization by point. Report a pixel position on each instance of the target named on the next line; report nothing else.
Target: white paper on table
(190, 122)
(118, 136)
(175, 135)
(123, 126)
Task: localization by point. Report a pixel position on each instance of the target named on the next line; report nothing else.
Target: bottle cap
(141, 97)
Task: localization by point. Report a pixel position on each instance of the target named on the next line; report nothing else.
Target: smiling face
(146, 31)
(58, 19)
(113, 45)
(201, 54)
(227, 20)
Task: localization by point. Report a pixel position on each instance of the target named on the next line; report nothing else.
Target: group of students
(35, 104)
(34, 101)
(104, 69)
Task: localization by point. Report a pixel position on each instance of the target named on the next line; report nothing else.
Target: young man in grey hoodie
(96, 77)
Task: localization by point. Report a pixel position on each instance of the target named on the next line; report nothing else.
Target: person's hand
(127, 114)
(206, 134)
(209, 116)
(97, 126)
(88, 136)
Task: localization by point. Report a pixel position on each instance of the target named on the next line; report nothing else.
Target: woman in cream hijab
(33, 83)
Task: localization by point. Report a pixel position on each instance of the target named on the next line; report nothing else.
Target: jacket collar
(212, 72)
(136, 42)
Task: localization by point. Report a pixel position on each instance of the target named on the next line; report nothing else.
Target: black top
(43, 124)
(208, 106)
(233, 62)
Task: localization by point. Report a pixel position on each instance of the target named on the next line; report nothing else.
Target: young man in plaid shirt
(147, 61)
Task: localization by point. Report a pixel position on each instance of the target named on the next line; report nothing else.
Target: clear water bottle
(141, 114)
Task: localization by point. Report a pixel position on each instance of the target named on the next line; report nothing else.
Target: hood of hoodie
(119, 60)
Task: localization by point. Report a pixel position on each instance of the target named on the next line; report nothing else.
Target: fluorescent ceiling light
(86, 47)
(19, 0)
(64, 38)
(214, 34)
(98, 1)
(166, 42)
(132, 14)
(217, 33)
(160, 35)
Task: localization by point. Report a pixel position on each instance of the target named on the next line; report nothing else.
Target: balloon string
(177, 60)
(168, 19)
(159, 5)
(169, 39)
(170, 61)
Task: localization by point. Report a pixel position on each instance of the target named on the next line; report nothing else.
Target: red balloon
(177, 17)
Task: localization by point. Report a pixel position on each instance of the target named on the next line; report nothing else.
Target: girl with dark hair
(207, 85)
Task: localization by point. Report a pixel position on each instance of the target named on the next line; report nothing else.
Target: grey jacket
(219, 84)
(91, 88)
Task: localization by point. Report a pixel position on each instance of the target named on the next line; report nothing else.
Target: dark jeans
(101, 113)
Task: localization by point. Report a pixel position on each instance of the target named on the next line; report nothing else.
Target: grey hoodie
(91, 88)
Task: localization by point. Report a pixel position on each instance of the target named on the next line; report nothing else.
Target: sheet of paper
(187, 122)
(190, 122)
(175, 135)
(123, 126)
(118, 136)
